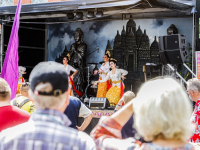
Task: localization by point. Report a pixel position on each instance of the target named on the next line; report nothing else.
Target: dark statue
(172, 30)
(78, 52)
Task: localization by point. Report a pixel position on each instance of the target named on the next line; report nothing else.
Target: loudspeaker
(98, 103)
(173, 49)
(153, 71)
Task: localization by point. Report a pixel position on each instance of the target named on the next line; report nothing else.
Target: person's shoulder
(85, 138)
(73, 98)
(198, 102)
(107, 64)
(20, 112)
(110, 72)
(82, 140)
(74, 101)
(187, 146)
(15, 132)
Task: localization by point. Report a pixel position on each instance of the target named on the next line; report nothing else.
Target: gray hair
(162, 109)
(47, 102)
(193, 84)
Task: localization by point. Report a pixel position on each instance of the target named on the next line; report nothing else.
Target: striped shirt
(46, 130)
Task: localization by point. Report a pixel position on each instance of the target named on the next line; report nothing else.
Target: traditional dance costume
(117, 86)
(103, 86)
(69, 68)
(20, 78)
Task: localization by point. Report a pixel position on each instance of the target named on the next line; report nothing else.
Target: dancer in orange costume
(117, 86)
(104, 69)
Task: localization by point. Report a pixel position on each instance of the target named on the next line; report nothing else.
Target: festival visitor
(161, 115)
(69, 68)
(23, 91)
(47, 129)
(103, 70)
(117, 86)
(77, 109)
(22, 101)
(9, 115)
(127, 97)
(127, 130)
(193, 89)
(20, 77)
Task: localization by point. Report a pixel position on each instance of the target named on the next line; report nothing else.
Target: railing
(181, 78)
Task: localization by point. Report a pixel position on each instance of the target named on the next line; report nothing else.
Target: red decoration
(122, 89)
(77, 92)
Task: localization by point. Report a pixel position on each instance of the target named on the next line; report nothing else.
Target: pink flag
(10, 66)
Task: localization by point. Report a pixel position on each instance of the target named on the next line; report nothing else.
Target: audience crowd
(44, 117)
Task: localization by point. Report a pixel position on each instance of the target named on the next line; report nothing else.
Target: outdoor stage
(97, 114)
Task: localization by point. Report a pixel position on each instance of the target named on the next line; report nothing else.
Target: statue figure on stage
(78, 59)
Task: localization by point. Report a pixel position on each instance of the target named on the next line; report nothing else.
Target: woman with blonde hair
(161, 114)
(127, 97)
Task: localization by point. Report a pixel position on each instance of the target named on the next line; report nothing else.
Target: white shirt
(69, 68)
(105, 68)
(115, 77)
(84, 111)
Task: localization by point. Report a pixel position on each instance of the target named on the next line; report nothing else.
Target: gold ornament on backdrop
(68, 56)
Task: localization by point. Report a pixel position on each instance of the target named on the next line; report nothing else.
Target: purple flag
(10, 66)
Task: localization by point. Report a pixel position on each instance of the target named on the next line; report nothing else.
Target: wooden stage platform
(97, 114)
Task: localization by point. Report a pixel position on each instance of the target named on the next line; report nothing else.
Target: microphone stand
(88, 76)
(97, 49)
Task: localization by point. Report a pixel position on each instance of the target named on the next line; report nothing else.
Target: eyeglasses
(111, 63)
(104, 57)
(64, 59)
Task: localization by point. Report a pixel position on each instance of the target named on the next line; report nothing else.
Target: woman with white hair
(161, 115)
(193, 89)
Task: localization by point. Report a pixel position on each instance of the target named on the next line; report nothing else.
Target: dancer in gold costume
(104, 69)
(117, 86)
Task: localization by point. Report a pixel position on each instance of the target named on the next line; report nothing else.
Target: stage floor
(97, 114)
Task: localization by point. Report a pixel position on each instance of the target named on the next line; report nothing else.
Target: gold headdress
(108, 53)
(113, 59)
(68, 56)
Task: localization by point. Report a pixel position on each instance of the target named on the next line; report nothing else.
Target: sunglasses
(111, 63)
(64, 59)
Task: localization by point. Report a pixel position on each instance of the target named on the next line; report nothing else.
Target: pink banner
(10, 66)
(198, 64)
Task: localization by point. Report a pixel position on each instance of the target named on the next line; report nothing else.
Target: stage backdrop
(97, 34)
